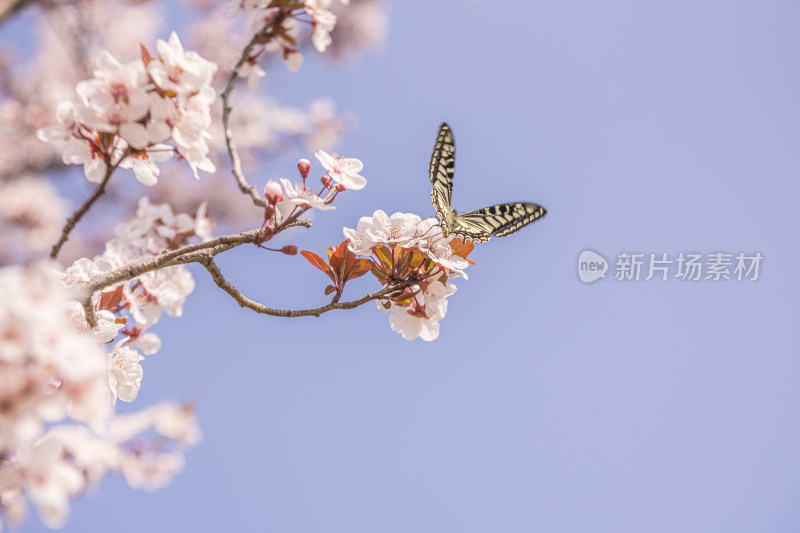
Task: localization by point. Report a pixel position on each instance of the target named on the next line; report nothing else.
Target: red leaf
(329, 289)
(110, 300)
(315, 260)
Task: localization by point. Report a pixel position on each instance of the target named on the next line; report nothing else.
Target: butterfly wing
(442, 169)
(497, 220)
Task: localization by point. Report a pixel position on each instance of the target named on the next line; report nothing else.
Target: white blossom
(343, 170)
(398, 228)
(177, 70)
(301, 195)
(421, 319)
(125, 375)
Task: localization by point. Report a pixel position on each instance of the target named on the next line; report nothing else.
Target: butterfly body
(479, 225)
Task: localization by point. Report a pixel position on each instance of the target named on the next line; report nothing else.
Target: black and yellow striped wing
(442, 170)
(479, 225)
(495, 221)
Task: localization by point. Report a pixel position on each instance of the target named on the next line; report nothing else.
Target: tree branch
(77, 215)
(243, 301)
(261, 36)
(204, 254)
(191, 253)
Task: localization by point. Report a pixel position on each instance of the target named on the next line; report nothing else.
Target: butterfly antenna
(429, 229)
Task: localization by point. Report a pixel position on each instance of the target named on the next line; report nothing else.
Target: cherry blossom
(273, 192)
(116, 95)
(120, 118)
(150, 470)
(299, 194)
(323, 21)
(252, 72)
(421, 317)
(184, 73)
(343, 170)
(144, 165)
(398, 228)
(49, 480)
(125, 376)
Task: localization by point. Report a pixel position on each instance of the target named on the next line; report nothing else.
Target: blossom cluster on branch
(128, 111)
(400, 249)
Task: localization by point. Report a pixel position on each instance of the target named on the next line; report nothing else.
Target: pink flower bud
(339, 187)
(266, 233)
(304, 166)
(326, 181)
(273, 192)
(289, 249)
(293, 59)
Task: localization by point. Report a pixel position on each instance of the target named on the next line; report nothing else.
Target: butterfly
(479, 225)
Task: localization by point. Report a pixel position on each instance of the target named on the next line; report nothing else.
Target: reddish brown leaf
(330, 289)
(110, 300)
(350, 258)
(315, 260)
(361, 267)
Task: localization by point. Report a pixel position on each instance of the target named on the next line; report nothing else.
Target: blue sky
(546, 404)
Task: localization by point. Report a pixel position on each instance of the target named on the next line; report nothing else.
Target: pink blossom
(177, 70)
(343, 170)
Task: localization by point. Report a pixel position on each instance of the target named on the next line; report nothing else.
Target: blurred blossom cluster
(31, 216)
(58, 431)
(59, 379)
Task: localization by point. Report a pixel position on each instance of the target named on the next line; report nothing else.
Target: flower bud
(273, 192)
(304, 166)
(339, 187)
(289, 249)
(326, 181)
(293, 59)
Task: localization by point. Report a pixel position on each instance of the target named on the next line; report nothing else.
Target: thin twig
(137, 268)
(244, 301)
(236, 162)
(192, 253)
(77, 215)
